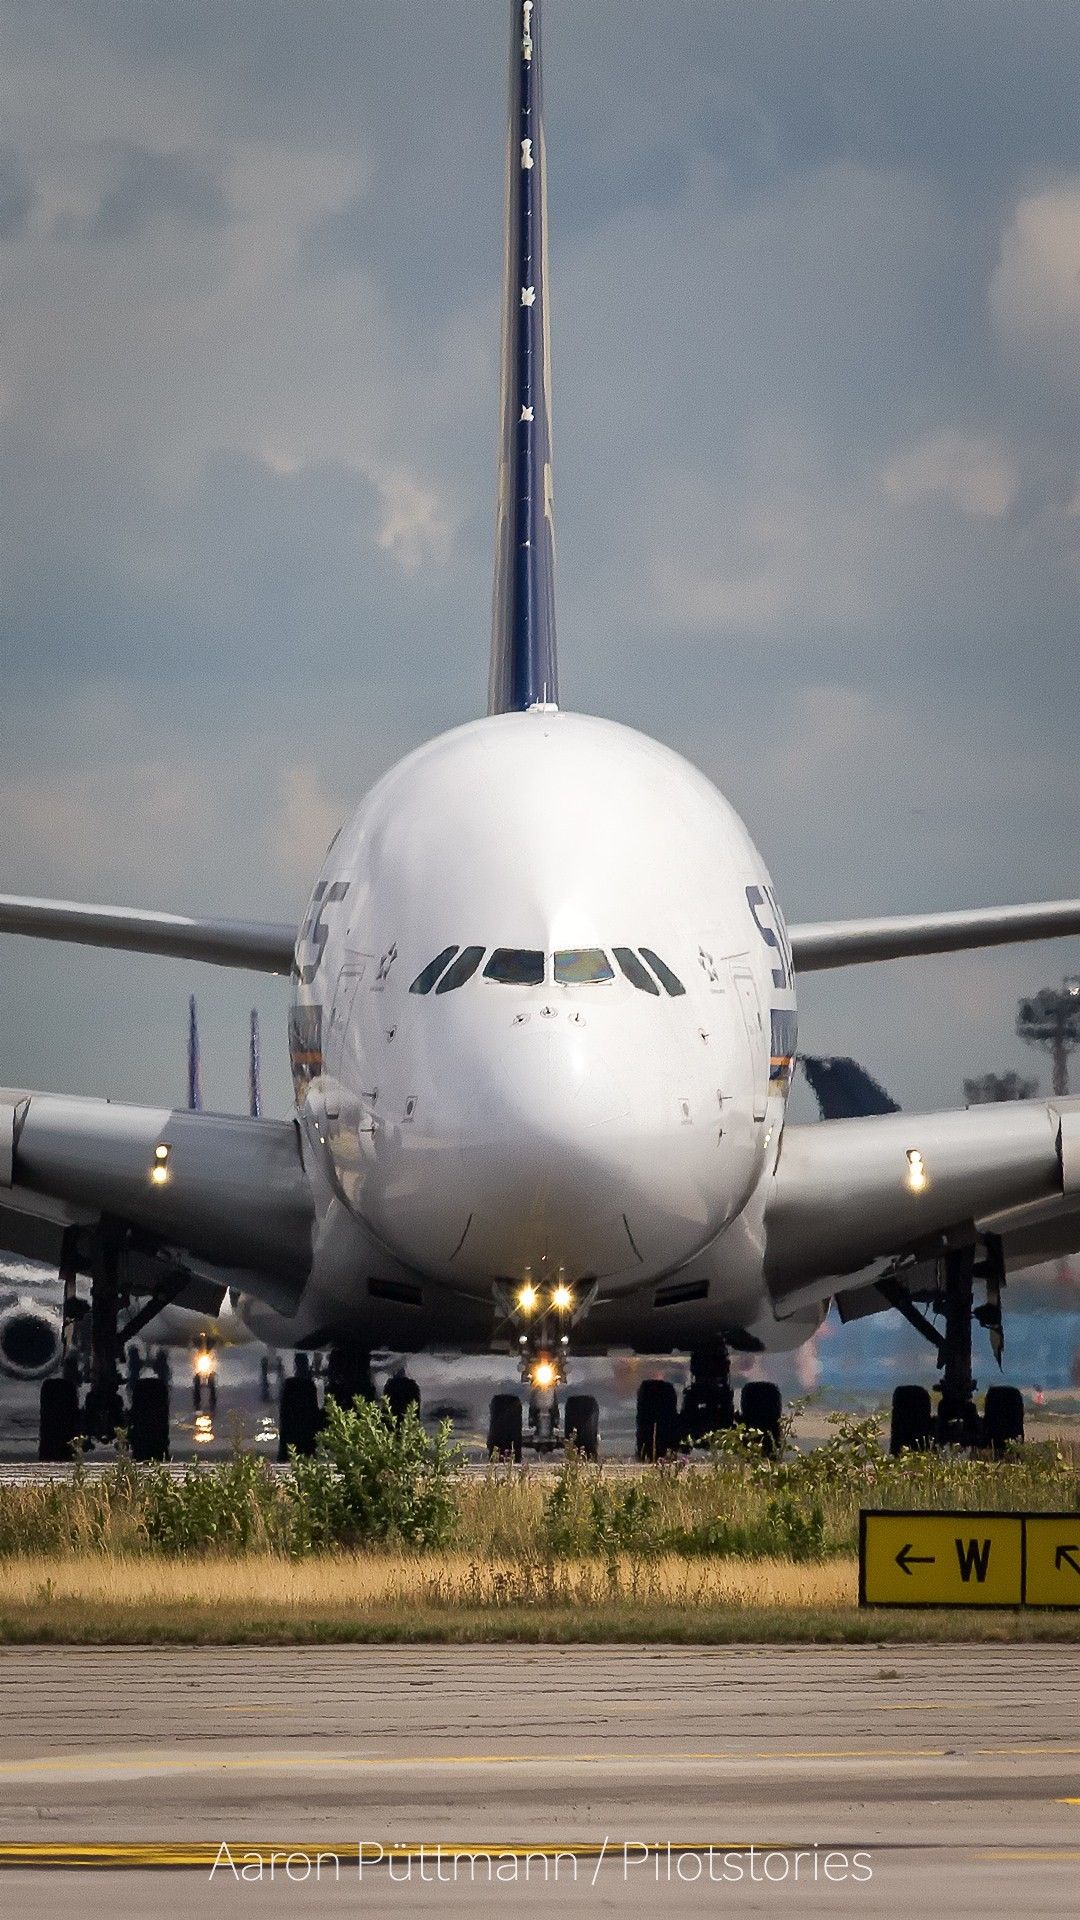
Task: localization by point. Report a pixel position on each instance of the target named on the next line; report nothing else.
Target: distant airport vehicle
(542, 1033)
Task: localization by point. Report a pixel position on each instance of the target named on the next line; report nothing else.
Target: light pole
(1051, 1020)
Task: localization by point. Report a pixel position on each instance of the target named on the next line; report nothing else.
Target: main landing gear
(348, 1378)
(663, 1427)
(64, 1423)
(956, 1421)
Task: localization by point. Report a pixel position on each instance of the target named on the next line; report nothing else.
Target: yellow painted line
(204, 1853)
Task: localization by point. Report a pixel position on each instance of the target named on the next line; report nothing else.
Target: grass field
(380, 1538)
(83, 1598)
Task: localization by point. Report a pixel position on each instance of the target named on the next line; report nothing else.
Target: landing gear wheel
(762, 1407)
(706, 1408)
(581, 1424)
(657, 1424)
(148, 1423)
(957, 1421)
(504, 1426)
(196, 1392)
(299, 1416)
(911, 1428)
(1003, 1418)
(348, 1375)
(58, 1420)
(265, 1395)
(399, 1394)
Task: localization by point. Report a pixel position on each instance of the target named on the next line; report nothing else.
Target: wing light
(159, 1171)
(917, 1175)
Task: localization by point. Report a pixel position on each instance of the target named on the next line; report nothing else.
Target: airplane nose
(574, 1158)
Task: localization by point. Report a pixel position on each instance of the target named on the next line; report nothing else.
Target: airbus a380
(542, 1034)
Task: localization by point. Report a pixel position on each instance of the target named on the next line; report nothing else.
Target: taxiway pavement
(955, 1771)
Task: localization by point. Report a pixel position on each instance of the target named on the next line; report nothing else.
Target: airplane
(542, 1032)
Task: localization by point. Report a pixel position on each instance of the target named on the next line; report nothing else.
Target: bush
(373, 1479)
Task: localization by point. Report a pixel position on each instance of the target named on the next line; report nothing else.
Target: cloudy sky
(816, 318)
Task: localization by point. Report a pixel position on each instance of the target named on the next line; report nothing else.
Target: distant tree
(998, 1086)
(1051, 1020)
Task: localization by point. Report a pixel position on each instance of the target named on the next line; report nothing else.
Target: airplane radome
(542, 1034)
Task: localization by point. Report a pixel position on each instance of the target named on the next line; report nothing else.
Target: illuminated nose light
(527, 1298)
(562, 1299)
(204, 1365)
(159, 1171)
(544, 1374)
(917, 1176)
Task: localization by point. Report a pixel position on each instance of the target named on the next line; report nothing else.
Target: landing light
(159, 1171)
(204, 1365)
(562, 1299)
(544, 1374)
(916, 1170)
(527, 1297)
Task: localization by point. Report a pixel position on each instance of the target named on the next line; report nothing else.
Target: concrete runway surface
(953, 1774)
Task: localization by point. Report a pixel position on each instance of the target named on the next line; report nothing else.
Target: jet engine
(30, 1337)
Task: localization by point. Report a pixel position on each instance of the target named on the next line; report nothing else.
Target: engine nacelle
(30, 1338)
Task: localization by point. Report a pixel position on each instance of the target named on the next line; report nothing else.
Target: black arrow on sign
(905, 1559)
(1066, 1554)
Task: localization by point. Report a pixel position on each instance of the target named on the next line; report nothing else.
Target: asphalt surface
(953, 1774)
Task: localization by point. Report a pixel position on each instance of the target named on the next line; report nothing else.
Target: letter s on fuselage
(596, 1128)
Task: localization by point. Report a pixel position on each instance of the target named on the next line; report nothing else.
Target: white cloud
(1035, 287)
(306, 822)
(970, 470)
(416, 525)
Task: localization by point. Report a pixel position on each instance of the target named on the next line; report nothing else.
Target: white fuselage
(596, 1130)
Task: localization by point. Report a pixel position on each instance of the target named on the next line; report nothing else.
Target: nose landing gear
(546, 1313)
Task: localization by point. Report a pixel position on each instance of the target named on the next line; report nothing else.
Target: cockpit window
(516, 967)
(426, 980)
(668, 980)
(637, 975)
(581, 966)
(463, 969)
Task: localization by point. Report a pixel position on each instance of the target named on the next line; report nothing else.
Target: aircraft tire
(581, 1423)
(399, 1394)
(911, 1427)
(656, 1427)
(58, 1418)
(148, 1422)
(706, 1408)
(504, 1426)
(1003, 1418)
(299, 1416)
(761, 1407)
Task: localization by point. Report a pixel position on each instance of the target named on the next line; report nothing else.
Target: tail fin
(254, 1077)
(844, 1090)
(194, 1059)
(524, 668)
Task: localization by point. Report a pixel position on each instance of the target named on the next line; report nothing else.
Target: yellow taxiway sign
(919, 1559)
(941, 1559)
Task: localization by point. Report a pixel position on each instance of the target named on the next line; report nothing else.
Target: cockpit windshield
(637, 974)
(463, 969)
(426, 980)
(668, 980)
(581, 966)
(516, 967)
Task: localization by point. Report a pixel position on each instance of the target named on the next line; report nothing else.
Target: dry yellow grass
(360, 1582)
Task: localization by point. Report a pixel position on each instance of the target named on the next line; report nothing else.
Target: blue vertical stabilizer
(524, 669)
(194, 1059)
(254, 1073)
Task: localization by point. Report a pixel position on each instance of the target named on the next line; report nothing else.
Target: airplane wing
(848, 943)
(227, 1190)
(262, 946)
(850, 1195)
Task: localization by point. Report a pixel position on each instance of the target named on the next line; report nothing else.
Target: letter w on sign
(974, 1558)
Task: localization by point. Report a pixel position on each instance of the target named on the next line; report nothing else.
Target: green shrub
(373, 1479)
